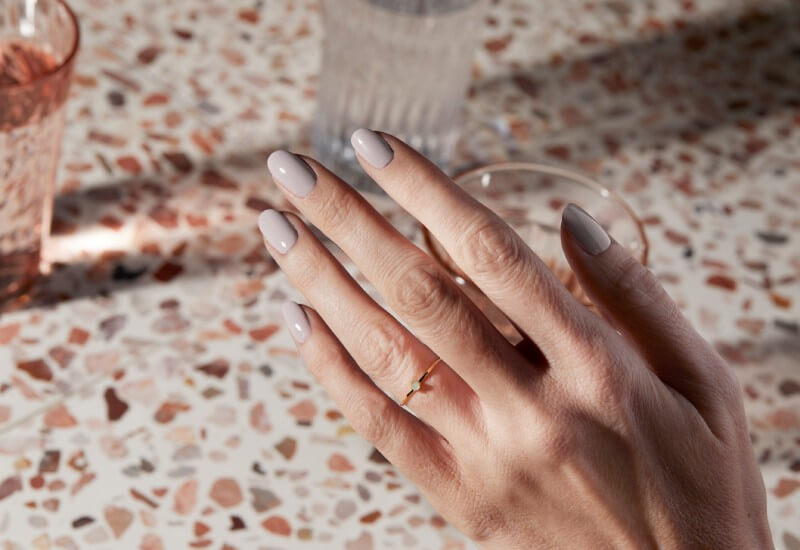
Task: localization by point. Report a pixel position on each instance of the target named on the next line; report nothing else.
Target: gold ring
(417, 384)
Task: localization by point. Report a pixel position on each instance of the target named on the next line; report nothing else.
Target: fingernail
(296, 320)
(292, 172)
(372, 147)
(280, 234)
(589, 234)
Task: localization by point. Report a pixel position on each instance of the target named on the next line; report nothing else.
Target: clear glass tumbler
(530, 198)
(402, 66)
(38, 42)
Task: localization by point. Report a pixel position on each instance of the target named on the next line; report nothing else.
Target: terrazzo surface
(150, 398)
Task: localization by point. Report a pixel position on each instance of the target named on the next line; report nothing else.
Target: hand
(621, 431)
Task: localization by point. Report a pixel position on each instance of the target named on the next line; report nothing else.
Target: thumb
(634, 302)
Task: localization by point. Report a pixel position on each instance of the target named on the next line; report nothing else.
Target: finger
(414, 286)
(417, 449)
(386, 351)
(631, 298)
(489, 252)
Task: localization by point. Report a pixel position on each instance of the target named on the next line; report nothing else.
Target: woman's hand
(621, 431)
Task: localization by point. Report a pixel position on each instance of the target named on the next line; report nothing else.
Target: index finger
(494, 257)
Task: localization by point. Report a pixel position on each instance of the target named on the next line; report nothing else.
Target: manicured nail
(589, 234)
(292, 172)
(280, 234)
(372, 147)
(297, 321)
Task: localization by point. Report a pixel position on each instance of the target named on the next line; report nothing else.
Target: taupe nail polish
(292, 172)
(279, 233)
(372, 147)
(296, 320)
(589, 234)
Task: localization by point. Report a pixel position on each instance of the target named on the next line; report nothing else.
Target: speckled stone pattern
(150, 398)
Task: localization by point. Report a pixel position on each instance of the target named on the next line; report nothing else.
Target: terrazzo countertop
(150, 398)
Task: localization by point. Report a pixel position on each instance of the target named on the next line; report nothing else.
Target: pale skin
(622, 429)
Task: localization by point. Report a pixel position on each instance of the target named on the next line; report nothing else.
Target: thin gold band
(417, 384)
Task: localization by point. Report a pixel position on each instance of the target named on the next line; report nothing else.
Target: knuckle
(387, 348)
(730, 387)
(609, 384)
(726, 394)
(607, 381)
(558, 447)
(324, 358)
(613, 382)
(306, 268)
(554, 441)
(415, 177)
(723, 377)
(611, 395)
(490, 248)
(338, 209)
(421, 291)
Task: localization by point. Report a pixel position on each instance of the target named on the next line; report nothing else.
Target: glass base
(338, 157)
(337, 154)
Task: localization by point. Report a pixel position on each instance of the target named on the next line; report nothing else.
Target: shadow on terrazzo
(680, 85)
(711, 74)
(153, 229)
(764, 364)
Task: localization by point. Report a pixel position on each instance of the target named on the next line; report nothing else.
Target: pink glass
(38, 42)
(530, 198)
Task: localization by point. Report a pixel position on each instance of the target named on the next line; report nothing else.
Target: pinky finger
(415, 448)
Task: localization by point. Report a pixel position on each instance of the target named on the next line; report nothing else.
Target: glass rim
(570, 174)
(60, 66)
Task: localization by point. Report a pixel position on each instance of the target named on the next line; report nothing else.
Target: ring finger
(414, 286)
(387, 352)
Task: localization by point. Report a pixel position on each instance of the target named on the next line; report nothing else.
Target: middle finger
(381, 346)
(414, 286)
